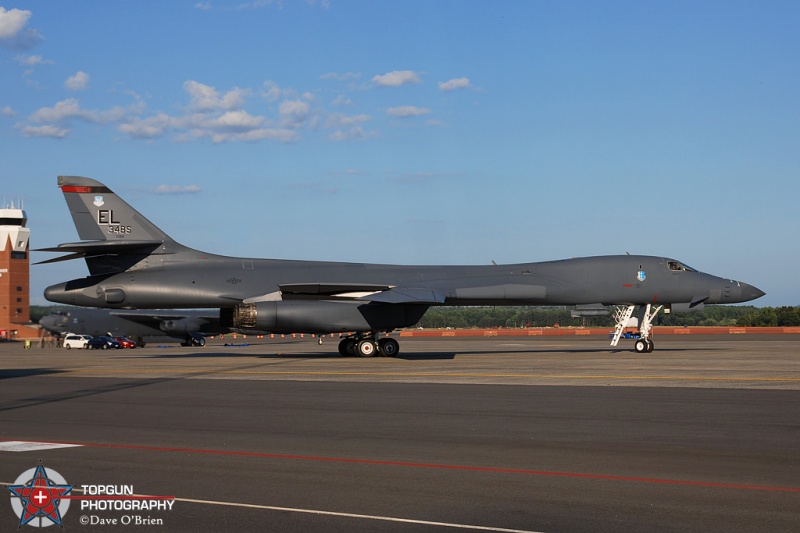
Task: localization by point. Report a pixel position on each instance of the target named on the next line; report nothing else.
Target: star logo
(38, 493)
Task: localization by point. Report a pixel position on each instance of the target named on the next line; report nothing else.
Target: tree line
(519, 317)
(539, 317)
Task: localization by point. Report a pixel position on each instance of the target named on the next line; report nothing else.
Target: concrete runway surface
(479, 434)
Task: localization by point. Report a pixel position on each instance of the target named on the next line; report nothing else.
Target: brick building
(15, 276)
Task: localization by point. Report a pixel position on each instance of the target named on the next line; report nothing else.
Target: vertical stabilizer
(101, 215)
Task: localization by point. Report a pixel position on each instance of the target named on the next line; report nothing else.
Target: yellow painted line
(436, 375)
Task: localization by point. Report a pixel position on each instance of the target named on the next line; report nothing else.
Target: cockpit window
(679, 267)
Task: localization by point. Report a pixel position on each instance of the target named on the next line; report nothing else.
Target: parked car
(125, 342)
(71, 340)
(104, 342)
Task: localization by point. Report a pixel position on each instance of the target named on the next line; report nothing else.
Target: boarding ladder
(622, 314)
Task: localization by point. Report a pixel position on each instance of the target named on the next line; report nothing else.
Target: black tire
(640, 346)
(388, 347)
(347, 347)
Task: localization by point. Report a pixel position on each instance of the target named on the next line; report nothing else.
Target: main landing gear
(647, 313)
(365, 345)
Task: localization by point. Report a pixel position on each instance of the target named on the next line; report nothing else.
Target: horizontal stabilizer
(79, 250)
(101, 247)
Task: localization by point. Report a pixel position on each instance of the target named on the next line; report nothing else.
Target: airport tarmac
(486, 434)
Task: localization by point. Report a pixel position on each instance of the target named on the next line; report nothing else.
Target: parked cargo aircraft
(133, 264)
(188, 327)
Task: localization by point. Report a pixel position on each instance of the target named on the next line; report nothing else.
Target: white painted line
(28, 446)
(351, 515)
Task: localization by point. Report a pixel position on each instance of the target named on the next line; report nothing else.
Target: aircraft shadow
(26, 372)
(82, 393)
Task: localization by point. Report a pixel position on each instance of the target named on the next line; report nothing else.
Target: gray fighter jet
(187, 327)
(133, 264)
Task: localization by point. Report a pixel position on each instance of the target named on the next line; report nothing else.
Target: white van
(76, 341)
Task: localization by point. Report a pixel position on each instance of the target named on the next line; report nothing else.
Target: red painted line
(84, 189)
(468, 468)
(74, 188)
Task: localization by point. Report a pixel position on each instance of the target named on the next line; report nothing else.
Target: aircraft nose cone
(751, 293)
(47, 322)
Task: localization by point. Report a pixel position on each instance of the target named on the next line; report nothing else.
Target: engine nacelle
(181, 325)
(299, 316)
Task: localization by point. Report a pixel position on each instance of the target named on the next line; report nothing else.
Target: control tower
(15, 315)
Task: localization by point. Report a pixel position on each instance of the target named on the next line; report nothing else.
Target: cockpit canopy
(676, 266)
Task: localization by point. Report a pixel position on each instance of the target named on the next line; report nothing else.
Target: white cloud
(177, 189)
(43, 131)
(207, 98)
(454, 84)
(78, 82)
(63, 110)
(396, 78)
(407, 111)
(255, 4)
(12, 29)
(203, 6)
(70, 109)
(337, 76)
(294, 112)
(272, 134)
(147, 128)
(235, 120)
(7, 112)
(340, 120)
(31, 61)
(271, 91)
(347, 135)
(12, 22)
(342, 101)
(230, 126)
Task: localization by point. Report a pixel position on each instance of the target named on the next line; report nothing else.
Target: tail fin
(115, 236)
(101, 215)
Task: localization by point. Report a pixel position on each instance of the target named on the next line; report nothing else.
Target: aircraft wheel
(388, 347)
(365, 348)
(640, 346)
(105, 346)
(347, 347)
(650, 346)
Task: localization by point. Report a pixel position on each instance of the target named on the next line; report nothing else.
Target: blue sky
(416, 132)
